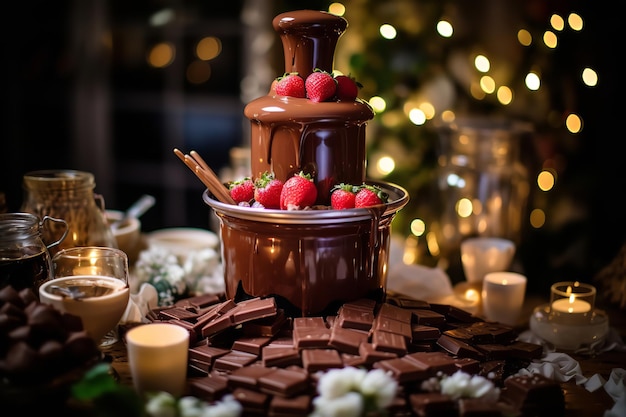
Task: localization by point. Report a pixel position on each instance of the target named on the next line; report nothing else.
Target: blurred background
(111, 87)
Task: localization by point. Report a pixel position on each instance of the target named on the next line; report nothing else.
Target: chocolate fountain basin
(312, 261)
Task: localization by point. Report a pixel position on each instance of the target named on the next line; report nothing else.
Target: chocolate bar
(423, 332)
(311, 337)
(371, 355)
(393, 312)
(389, 342)
(356, 318)
(257, 308)
(206, 353)
(297, 406)
(314, 360)
(306, 322)
(433, 404)
(429, 317)
(252, 345)
(247, 376)
(253, 402)
(284, 382)
(280, 356)
(210, 387)
(266, 326)
(347, 340)
(387, 324)
(404, 370)
(233, 360)
(534, 395)
(434, 362)
(476, 407)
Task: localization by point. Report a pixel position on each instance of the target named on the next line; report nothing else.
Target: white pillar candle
(157, 355)
(503, 296)
(481, 255)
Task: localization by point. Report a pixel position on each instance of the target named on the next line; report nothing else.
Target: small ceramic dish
(182, 240)
(127, 235)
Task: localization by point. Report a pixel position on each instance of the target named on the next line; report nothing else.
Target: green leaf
(94, 383)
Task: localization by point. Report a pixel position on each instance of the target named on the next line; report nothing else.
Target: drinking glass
(92, 283)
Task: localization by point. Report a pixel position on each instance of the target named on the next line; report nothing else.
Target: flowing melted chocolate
(288, 134)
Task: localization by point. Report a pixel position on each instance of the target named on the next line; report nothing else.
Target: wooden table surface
(579, 401)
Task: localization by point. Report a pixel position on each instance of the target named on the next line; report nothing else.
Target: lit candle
(472, 295)
(571, 305)
(503, 296)
(91, 269)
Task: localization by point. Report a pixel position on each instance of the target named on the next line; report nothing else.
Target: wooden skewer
(207, 176)
(195, 155)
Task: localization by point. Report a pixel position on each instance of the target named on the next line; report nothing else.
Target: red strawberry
(267, 191)
(298, 192)
(342, 196)
(347, 88)
(242, 190)
(320, 86)
(370, 195)
(290, 84)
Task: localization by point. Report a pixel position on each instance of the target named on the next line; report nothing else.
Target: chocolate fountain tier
(312, 261)
(326, 140)
(309, 39)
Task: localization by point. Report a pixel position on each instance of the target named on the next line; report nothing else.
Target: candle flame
(569, 290)
(572, 298)
(505, 282)
(472, 295)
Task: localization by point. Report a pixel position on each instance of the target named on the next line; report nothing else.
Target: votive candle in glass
(572, 301)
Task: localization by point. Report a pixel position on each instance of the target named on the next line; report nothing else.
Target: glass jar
(482, 181)
(25, 260)
(68, 195)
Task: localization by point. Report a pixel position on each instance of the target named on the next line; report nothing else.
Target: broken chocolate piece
(459, 348)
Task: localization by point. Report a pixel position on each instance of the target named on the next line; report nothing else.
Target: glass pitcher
(68, 195)
(482, 181)
(25, 260)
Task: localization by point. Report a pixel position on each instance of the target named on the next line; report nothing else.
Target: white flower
(213, 284)
(204, 273)
(353, 392)
(201, 272)
(161, 404)
(158, 263)
(463, 385)
(349, 404)
(381, 386)
(201, 263)
(227, 407)
(190, 407)
(338, 382)
(431, 384)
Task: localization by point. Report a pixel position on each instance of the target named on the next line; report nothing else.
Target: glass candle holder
(570, 321)
(572, 302)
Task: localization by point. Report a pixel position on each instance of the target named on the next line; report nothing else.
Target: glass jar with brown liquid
(25, 261)
(68, 195)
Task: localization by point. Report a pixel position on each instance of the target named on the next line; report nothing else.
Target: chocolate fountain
(314, 260)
